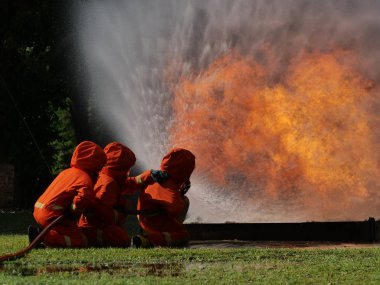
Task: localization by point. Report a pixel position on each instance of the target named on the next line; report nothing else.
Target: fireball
(304, 139)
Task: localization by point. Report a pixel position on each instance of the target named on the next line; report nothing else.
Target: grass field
(185, 266)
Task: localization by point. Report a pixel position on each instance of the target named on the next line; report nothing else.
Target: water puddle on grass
(126, 269)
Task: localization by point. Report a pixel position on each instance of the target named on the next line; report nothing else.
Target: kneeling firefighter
(70, 194)
(167, 202)
(103, 222)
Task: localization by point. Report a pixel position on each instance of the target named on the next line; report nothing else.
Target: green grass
(189, 266)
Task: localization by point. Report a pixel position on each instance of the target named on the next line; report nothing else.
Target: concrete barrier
(366, 231)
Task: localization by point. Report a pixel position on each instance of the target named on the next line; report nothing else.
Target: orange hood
(119, 157)
(179, 163)
(119, 160)
(88, 156)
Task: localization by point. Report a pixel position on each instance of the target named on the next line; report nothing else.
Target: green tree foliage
(37, 75)
(65, 142)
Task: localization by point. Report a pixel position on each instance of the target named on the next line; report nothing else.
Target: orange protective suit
(70, 192)
(166, 228)
(102, 224)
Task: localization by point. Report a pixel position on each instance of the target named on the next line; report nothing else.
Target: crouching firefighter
(103, 223)
(69, 194)
(167, 203)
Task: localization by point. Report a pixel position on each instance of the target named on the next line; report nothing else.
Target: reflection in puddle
(127, 269)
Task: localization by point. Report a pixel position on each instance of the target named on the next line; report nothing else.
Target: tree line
(43, 113)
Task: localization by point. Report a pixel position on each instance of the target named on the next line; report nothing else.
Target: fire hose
(36, 241)
(39, 238)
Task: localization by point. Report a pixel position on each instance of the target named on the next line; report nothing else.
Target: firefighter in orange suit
(103, 223)
(167, 203)
(70, 193)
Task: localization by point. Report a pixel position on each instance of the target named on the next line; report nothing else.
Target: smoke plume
(278, 100)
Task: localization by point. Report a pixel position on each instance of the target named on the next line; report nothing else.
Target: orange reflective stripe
(85, 240)
(67, 241)
(167, 237)
(116, 215)
(39, 205)
(57, 207)
(139, 179)
(99, 237)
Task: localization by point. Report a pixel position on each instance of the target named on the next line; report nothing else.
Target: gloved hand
(159, 175)
(184, 188)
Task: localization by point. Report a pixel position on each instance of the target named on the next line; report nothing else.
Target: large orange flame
(304, 139)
